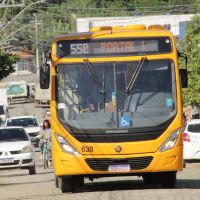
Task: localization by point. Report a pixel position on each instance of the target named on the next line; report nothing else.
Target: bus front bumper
(66, 164)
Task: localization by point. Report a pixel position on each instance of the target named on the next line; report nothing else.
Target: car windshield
(194, 128)
(25, 122)
(116, 95)
(10, 135)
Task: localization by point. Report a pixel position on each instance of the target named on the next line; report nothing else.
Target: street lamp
(10, 22)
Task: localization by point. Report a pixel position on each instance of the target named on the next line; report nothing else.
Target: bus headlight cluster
(66, 146)
(171, 141)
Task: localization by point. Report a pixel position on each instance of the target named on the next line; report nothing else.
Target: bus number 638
(87, 149)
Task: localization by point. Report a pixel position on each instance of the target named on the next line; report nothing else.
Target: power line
(11, 4)
(41, 1)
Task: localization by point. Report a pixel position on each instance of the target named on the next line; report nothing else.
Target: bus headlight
(171, 141)
(66, 146)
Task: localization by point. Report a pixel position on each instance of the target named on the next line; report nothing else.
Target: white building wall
(172, 20)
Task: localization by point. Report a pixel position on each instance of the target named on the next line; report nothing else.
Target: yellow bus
(116, 105)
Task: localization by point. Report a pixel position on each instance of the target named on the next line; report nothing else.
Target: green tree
(191, 48)
(7, 62)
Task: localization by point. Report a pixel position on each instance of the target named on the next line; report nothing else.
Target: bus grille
(102, 164)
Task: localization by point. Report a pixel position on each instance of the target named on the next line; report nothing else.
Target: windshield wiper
(94, 76)
(135, 74)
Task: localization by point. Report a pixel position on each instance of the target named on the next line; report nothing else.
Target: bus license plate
(119, 168)
(6, 160)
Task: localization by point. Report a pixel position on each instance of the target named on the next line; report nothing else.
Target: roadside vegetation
(38, 24)
(7, 62)
(191, 47)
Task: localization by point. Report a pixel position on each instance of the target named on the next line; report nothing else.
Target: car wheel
(32, 170)
(184, 164)
(9, 101)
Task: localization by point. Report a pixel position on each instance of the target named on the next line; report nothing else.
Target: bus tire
(79, 181)
(148, 179)
(66, 183)
(167, 179)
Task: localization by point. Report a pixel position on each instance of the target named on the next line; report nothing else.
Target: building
(26, 65)
(25, 69)
(171, 22)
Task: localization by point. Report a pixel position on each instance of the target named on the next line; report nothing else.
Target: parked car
(191, 141)
(31, 125)
(16, 149)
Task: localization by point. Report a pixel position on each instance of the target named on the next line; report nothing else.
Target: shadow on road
(188, 184)
(133, 185)
(22, 183)
(13, 174)
(115, 185)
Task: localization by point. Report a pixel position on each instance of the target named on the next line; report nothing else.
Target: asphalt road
(27, 109)
(17, 184)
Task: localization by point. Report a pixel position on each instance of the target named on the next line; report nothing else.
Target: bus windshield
(95, 95)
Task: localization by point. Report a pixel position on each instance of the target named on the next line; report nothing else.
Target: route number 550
(78, 49)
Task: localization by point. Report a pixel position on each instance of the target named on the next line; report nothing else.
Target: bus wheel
(79, 181)
(66, 183)
(148, 179)
(167, 179)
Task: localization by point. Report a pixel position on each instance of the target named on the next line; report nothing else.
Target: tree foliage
(59, 16)
(7, 62)
(55, 17)
(191, 47)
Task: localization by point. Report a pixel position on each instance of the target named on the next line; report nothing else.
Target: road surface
(17, 184)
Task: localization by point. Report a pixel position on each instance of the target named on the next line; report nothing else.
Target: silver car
(16, 149)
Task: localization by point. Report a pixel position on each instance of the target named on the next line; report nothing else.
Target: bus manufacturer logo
(118, 149)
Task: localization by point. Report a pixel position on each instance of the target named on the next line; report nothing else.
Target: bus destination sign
(117, 47)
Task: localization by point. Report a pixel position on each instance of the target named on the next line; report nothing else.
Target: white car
(16, 149)
(191, 141)
(31, 125)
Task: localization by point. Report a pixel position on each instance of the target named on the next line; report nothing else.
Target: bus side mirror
(183, 72)
(44, 76)
(184, 78)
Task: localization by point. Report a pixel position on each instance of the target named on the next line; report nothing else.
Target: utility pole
(36, 44)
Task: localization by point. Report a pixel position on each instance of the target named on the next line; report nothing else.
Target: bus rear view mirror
(44, 76)
(184, 78)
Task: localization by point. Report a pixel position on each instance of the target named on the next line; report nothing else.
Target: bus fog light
(66, 146)
(171, 141)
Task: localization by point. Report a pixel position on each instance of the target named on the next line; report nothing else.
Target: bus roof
(98, 32)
